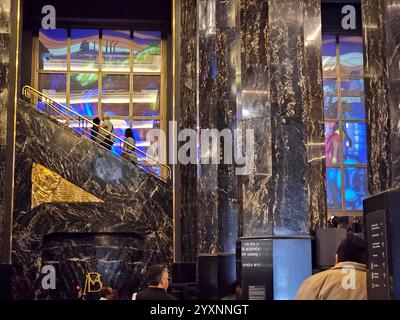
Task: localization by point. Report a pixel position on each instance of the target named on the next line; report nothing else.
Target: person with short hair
(157, 279)
(337, 283)
(108, 293)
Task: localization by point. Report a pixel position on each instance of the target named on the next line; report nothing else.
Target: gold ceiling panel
(48, 186)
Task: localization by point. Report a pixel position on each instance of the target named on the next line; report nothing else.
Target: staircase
(130, 196)
(83, 126)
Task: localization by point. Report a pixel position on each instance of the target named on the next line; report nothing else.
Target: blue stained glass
(351, 55)
(329, 55)
(330, 99)
(53, 49)
(334, 188)
(146, 95)
(355, 187)
(332, 144)
(352, 95)
(54, 86)
(354, 143)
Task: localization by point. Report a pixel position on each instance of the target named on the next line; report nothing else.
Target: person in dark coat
(157, 281)
(94, 132)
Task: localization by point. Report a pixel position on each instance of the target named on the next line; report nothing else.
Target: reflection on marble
(289, 130)
(377, 95)
(188, 111)
(218, 65)
(282, 102)
(313, 115)
(133, 200)
(255, 113)
(273, 87)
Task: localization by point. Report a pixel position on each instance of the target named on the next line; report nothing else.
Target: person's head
(237, 289)
(108, 293)
(158, 277)
(128, 133)
(96, 121)
(106, 116)
(352, 249)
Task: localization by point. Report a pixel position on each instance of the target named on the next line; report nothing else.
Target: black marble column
(313, 114)
(282, 103)
(273, 87)
(5, 33)
(9, 38)
(381, 23)
(208, 67)
(217, 67)
(284, 199)
(188, 120)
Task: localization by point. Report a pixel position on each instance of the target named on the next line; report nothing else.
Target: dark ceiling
(145, 11)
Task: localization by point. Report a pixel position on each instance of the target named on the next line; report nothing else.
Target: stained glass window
(95, 71)
(345, 123)
(147, 51)
(53, 49)
(115, 95)
(116, 48)
(146, 95)
(84, 95)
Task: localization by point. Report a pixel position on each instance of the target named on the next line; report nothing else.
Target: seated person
(336, 283)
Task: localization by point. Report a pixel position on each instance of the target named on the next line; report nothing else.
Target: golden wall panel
(48, 186)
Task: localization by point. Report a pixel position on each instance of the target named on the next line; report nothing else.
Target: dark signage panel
(378, 262)
(256, 269)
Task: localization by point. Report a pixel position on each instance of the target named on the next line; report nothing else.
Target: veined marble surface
(29, 247)
(134, 202)
(118, 258)
(188, 111)
(377, 95)
(5, 34)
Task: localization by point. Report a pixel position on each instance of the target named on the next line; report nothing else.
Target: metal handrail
(29, 92)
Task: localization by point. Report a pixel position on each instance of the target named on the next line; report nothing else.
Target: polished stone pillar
(9, 41)
(273, 87)
(285, 197)
(217, 204)
(217, 67)
(381, 22)
(208, 64)
(186, 62)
